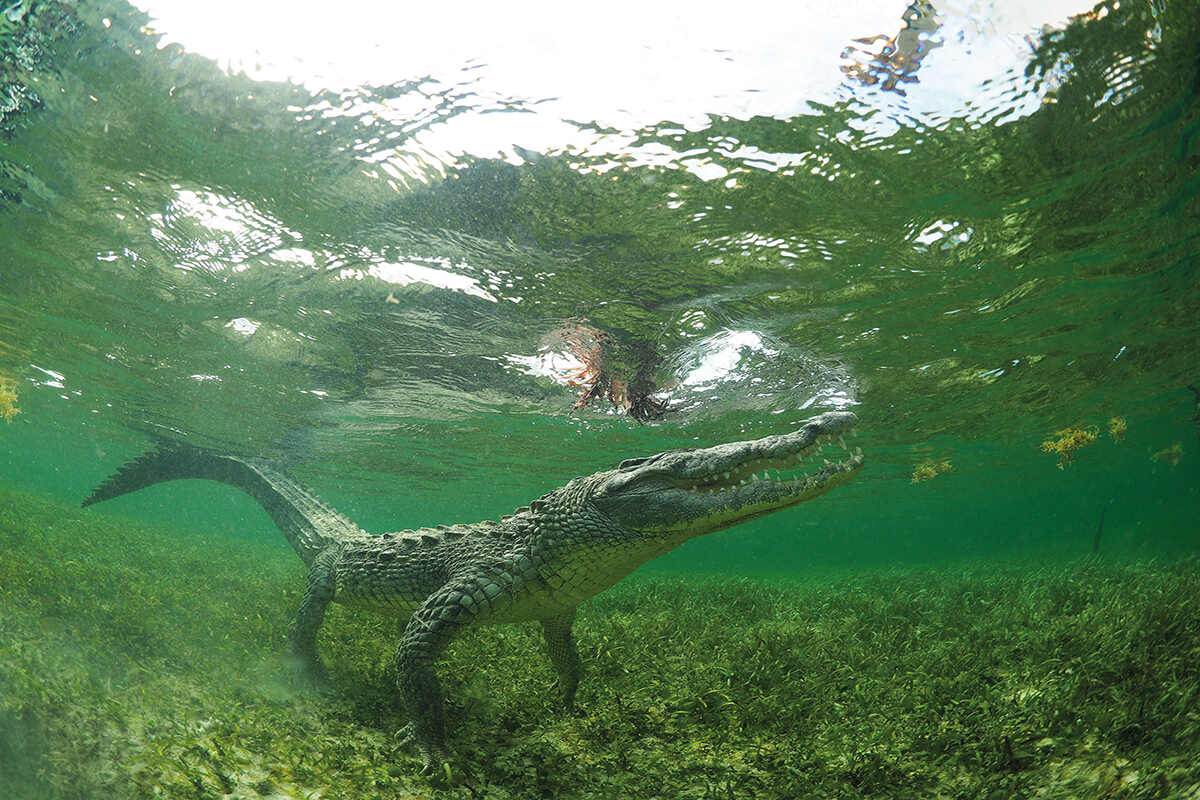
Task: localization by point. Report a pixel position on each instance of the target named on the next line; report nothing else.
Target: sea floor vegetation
(139, 662)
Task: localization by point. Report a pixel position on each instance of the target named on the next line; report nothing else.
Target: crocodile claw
(435, 761)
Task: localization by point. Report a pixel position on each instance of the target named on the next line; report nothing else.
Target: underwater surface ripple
(975, 228)
(395, 252)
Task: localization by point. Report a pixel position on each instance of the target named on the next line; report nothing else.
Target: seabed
(137, 661)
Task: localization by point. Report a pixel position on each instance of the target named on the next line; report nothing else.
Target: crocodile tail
(154, 466)
(309, 524)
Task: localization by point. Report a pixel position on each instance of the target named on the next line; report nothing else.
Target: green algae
(138, 661)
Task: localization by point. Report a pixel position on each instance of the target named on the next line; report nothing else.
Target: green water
(389, 284)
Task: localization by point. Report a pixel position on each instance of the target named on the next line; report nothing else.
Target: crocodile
(537, 564)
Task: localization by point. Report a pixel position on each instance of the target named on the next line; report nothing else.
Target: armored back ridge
(537, 564)
(309, 525)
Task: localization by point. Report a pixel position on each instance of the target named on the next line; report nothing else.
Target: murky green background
(378, 285)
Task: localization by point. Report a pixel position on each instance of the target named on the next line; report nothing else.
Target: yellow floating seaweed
(8, 399)
(928, 470)
(1069, 440)
(1171, 455)
(1117, 428)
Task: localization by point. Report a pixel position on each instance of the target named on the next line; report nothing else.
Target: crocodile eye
(632, 463)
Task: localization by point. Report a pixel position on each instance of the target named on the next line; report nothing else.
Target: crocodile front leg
(564, 655)
(430, 629)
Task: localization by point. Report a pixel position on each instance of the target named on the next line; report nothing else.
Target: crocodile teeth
(842, 442)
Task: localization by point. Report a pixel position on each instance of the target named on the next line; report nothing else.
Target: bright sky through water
(624, 65)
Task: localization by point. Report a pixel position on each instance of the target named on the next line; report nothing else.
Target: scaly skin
(537, 564)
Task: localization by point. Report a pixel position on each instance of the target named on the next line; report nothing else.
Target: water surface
(394, 256)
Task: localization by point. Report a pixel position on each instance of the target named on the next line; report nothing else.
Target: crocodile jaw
(688, 493)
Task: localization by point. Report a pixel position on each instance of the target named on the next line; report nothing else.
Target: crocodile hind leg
(564, 655)
(302, 637)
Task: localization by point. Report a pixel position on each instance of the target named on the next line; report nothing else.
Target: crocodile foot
(310, 673)
(436, 759)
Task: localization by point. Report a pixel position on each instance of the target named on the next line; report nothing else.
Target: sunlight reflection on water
(624, 67)
(907, 205)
